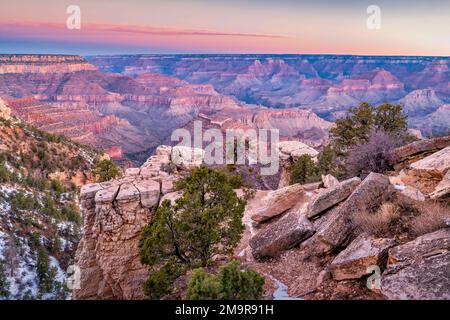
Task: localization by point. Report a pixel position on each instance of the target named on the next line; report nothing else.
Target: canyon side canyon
(128, 105)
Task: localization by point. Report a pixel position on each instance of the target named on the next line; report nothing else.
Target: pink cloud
(37, 27)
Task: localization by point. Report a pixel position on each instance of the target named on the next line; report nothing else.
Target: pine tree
(45, 273)
(303, 170)
(4, 284)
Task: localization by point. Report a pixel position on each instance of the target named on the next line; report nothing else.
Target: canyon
(130, 116)
(305, 238)
(326, 84)
(127, 105)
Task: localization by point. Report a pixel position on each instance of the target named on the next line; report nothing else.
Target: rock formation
(69, 96)
(114, 214)
(5, 112)
(327, 85)
(419, 269)
(365, 251)
(306, 235)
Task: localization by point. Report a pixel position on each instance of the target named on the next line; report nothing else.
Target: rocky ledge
(114, 214)
(311, 238)
(307, 236)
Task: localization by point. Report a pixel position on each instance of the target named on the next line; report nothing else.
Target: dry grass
(380, 222)
(432, 216)
(403, 218)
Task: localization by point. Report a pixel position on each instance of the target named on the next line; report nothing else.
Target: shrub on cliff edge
(230, 284)
(106, 170)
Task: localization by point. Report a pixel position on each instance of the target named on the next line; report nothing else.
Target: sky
(414, 27)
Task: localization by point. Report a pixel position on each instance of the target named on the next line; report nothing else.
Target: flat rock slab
(282, 235)
(436, 164)
(423, 146)
(327, 198)
(336, 228)
(419, 269)
(107, 195)
(364, 251)
(278, 201)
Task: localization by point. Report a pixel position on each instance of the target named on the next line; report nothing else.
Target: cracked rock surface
(114, 214)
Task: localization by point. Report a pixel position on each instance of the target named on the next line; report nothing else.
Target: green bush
(230, 284)
(58, 187)
(303, 170)
(22, 201)
(159, 283)
(106, 170)
(205, 222)
(71, 213)
(4, 284)
(50, 208)
(45, 273)
(5, 175)
(362, 120)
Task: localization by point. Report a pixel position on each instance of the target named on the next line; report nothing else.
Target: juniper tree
(303, 170)
(230, 284)
(362, 120)
(206, 221)
(106, 170)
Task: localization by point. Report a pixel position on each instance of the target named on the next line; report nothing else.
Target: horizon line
(221, 54)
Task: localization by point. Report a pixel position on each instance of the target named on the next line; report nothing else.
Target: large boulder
(419, 269)
(332, 196)
(364, 251)
(412, 150)
(186, 157)
(336, 229)
(294, 149)
(435, 165)
(329, 181)
(278, 201)
(282, 235)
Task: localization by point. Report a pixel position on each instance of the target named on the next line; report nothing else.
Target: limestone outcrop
(5, 112)
(332, 196)
(114, 214)
(278, 201)
(282, 235)
(435, 165)
(412, 151)
(363, 252)
(419, 269)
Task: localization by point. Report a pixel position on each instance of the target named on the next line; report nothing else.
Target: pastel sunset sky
(415, 27)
